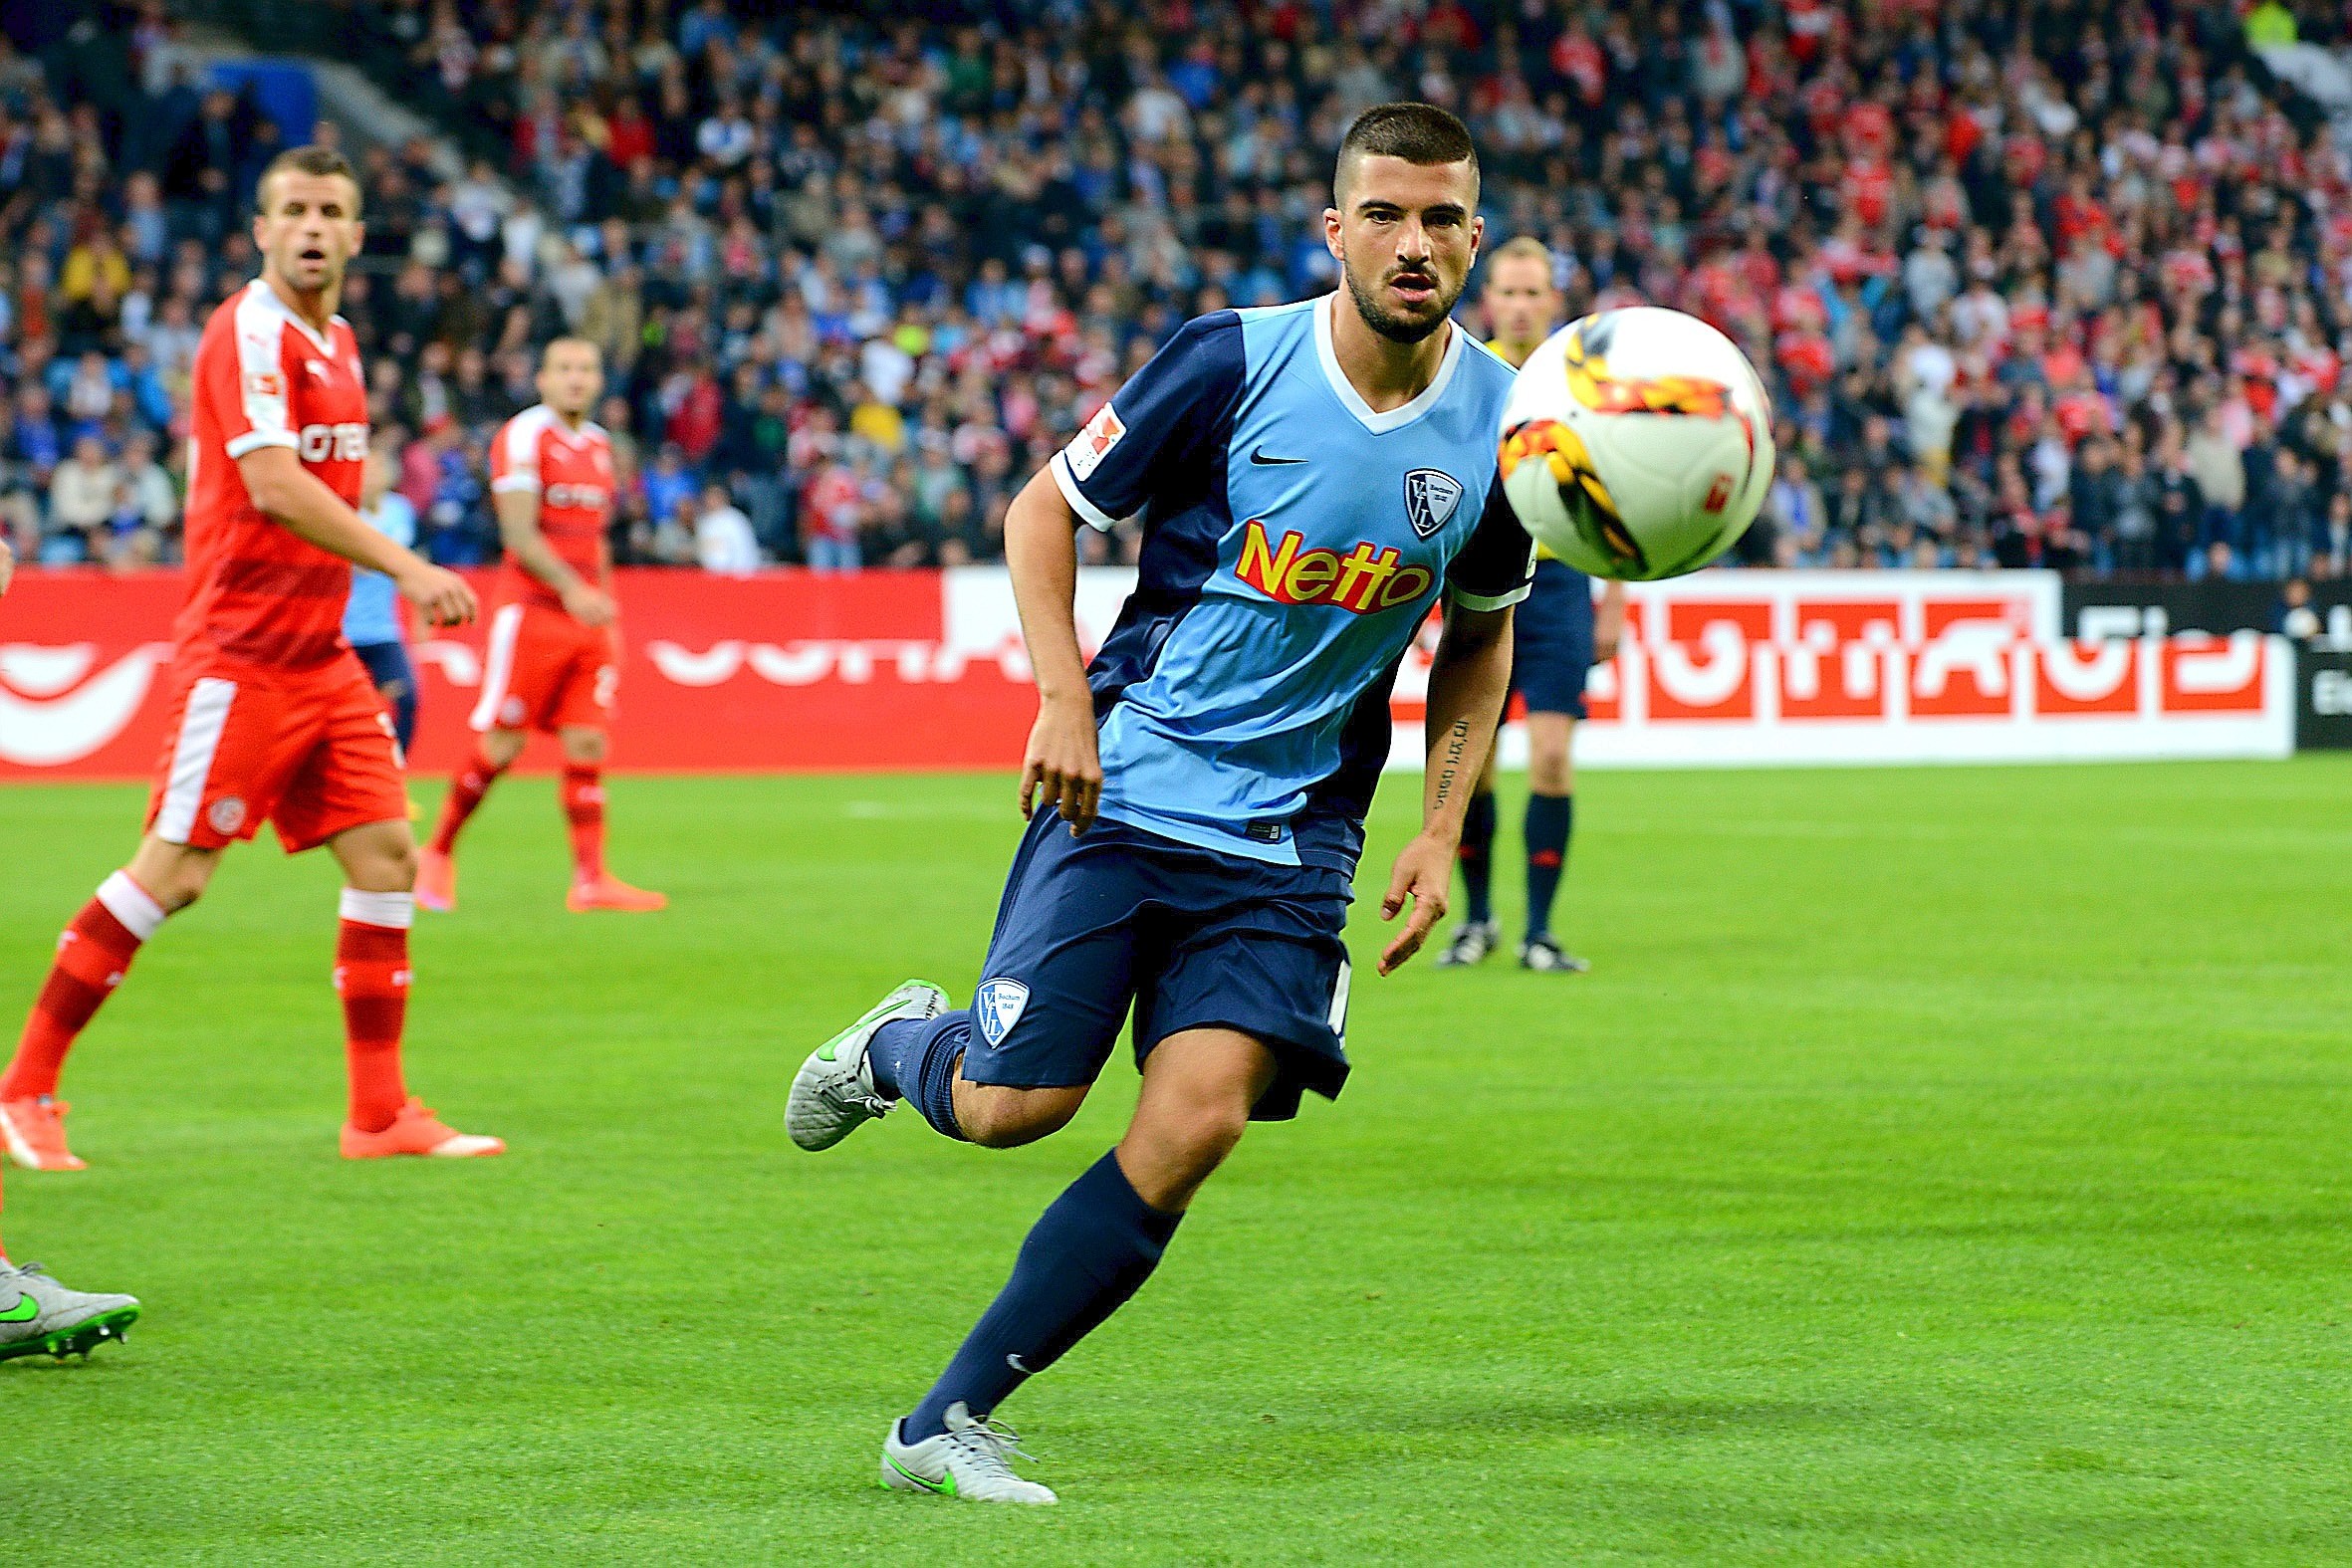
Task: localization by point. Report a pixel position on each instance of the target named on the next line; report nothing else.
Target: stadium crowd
(2066, 284)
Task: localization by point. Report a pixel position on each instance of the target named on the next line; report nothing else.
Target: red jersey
(258, 593)
(570, 471)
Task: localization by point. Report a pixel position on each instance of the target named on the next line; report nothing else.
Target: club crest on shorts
(997, 1005)
(1431, 495)
(227, 814)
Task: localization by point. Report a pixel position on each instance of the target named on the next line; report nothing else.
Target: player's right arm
(1062, 767)
(7, 565)
(241, 382)
(299, 501)
(1163, 422)
(518, 530)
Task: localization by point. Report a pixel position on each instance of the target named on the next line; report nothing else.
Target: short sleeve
(514, 459)
(1162, 421)
(245, 377)
(1494, 568)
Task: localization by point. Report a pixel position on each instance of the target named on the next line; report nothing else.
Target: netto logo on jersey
(587, 497)
(1366, 579)
(345, 443)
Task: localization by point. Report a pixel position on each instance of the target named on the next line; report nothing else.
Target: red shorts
(545, 671)
(311, 753)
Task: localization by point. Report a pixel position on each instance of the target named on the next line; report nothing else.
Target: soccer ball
(1637, 444)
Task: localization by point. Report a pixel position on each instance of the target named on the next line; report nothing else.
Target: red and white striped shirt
(258, 594)
(570, 471)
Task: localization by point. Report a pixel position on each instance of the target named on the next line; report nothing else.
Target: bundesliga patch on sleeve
(1093, 443)
(265, 384)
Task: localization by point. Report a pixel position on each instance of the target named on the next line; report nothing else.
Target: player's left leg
(1552, 822)
(1089, 1253)
(594, 887)
(371, 975)
(347, 795)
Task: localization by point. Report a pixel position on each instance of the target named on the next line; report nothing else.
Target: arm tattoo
(1457, 739)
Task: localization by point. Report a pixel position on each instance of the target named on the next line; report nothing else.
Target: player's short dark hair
(569, 340)
(304, 160)
(1417, 133)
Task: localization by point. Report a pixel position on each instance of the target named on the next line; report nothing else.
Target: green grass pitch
(1939, 1166)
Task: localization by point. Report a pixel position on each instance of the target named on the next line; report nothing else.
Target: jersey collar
(1344, 389)
(269, 298)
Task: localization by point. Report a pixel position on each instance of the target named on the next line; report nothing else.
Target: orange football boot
(437, 881)
(611, 892)
(417, 1131)
(34, 1131)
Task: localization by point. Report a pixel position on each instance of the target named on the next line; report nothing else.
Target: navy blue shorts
(1551, 640)
(1190, 938)
(394, 678)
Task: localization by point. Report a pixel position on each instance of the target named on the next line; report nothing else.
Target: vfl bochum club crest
(1431, 496)
(996, 1007)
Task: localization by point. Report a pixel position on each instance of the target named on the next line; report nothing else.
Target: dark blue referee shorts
(1551, 640)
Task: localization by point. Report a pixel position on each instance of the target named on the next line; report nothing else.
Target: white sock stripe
(127, 902)
(392, 911)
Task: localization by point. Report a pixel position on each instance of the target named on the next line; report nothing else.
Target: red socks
(582, 797)
(370, 974)
(465, 793)
(372, 977)
(583, 809)
(92, 956)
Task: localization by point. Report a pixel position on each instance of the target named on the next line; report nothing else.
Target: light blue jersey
(1293, 542)
(372, 615)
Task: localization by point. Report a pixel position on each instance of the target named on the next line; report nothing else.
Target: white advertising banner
(1734, 668)
(1738, 668)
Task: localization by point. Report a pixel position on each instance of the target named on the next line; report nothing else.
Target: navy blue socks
(1478, 857)
(1088, 1254)
(1550, 820)
(915, 1060)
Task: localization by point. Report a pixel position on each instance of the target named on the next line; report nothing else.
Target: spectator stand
(2033, 283)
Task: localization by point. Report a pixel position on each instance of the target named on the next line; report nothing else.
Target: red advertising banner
(921, 669)
(785, 670)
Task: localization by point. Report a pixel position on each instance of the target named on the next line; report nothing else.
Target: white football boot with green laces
(834, 1090)
(971, 1459)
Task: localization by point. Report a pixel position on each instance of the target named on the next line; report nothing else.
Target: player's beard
(328, 280)
(1387, 323)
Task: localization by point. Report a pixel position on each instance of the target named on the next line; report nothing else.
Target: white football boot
(835, 1090)
(1471, 944)
(39, 1316)
(972, 1460)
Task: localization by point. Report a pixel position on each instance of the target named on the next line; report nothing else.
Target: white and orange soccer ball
(1637, 444)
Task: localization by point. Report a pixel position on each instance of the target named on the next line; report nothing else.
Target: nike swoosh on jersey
(1260, 458)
